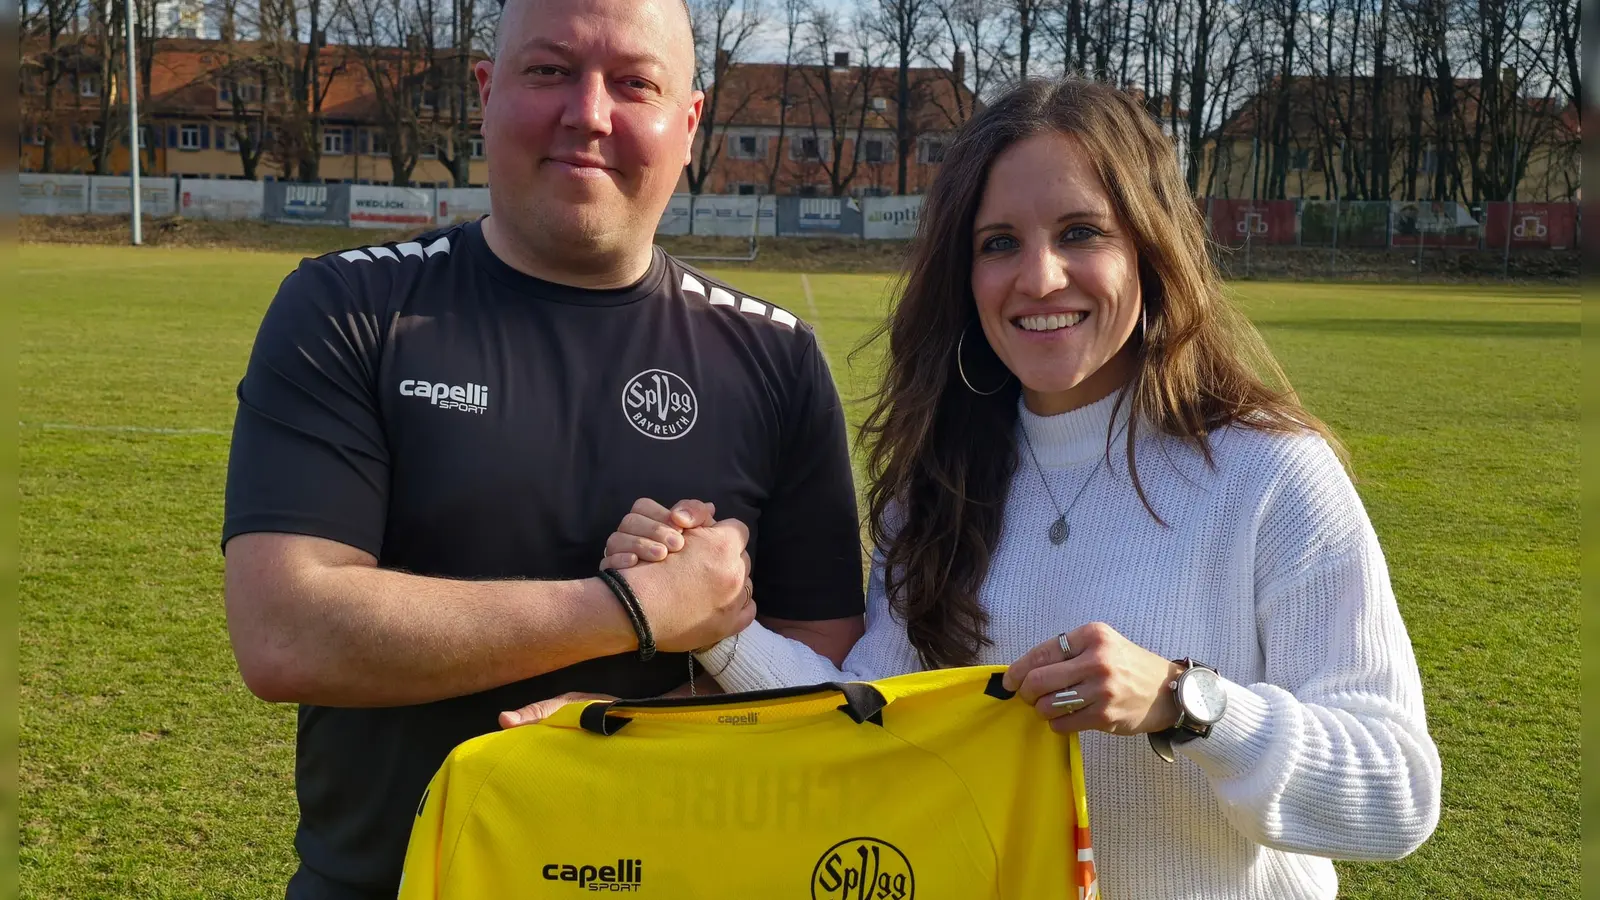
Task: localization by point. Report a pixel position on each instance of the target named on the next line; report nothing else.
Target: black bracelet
(647, 642)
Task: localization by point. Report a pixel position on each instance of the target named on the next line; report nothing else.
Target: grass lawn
(148, 771)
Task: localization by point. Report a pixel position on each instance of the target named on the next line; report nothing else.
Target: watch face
(1201, 695)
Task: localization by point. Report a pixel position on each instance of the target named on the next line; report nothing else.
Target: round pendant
(1058, 531)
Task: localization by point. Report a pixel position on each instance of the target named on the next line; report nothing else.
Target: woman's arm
(758, 658)
(1329, 754)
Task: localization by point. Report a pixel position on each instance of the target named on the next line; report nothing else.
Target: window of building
(1300, 160)
(91, 135)
(333, 142)
(747, 146)
(931, 151)
(746, 189)
(809, 190)
(879, 104)
(229, 139)
(873, 151)
(428, 150)
(805, 148)
(88, 85)
(189, 137)
(475, 146)
(378, 140)
(246, 91)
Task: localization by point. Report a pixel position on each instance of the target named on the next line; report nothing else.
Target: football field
(147, 769)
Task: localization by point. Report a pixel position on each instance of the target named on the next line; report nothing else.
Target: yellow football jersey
(927, 786)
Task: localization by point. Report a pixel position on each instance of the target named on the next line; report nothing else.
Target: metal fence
(1233, 224)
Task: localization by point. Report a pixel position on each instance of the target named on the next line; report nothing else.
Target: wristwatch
(1201, 703)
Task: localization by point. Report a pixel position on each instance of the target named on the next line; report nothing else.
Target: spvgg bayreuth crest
(660, 404)
(863, 868)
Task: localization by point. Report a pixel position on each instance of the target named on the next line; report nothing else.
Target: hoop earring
(962, 370)
(1144, 324)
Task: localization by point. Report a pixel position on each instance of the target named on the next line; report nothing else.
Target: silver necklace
(1059, 529)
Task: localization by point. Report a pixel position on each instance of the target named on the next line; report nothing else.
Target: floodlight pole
(133, 127)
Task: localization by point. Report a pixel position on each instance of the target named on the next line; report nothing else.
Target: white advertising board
(890, 218)
(46, 194)
(373, 206)
(214, 199)
(110, 195)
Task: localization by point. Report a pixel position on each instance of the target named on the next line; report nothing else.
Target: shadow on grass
(1428, 327)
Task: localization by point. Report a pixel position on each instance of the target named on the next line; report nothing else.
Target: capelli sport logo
(863, 868)
(624, 877)
(472, 398)
(660, 404)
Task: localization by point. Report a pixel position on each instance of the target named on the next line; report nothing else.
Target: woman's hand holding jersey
(1123, 688)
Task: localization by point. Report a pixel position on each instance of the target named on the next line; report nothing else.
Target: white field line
(811, 307)
(121, 429)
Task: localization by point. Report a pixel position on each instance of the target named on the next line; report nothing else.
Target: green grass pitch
(147, 770)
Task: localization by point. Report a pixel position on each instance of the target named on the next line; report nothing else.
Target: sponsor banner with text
(1235, 222)
(49, 194)
(1533, 226)
(890, 218)
(307, 204)
(372, 206)
(111, 195)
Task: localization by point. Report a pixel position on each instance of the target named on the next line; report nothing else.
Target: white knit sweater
(1267, 569)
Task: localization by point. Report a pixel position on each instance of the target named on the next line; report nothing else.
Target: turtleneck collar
(1075, 437)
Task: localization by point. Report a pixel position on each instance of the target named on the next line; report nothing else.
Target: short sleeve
(808, 563)
(308, 454)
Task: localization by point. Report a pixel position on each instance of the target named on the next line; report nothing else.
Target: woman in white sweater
(1079, 473)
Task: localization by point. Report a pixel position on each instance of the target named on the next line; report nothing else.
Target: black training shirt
(430, 405)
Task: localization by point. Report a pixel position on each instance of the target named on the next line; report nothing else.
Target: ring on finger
(1069, 701)
(1064, 644)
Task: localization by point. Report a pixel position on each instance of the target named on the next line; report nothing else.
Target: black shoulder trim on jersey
(421, 804)
(862, 703)
(594, 719)
(996, 687)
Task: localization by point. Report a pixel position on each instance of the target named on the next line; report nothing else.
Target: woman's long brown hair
(941, 457)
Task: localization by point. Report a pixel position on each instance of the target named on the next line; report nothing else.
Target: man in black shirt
(435, 438)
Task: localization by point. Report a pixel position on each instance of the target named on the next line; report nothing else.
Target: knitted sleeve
(760, 658)
(1329, 754)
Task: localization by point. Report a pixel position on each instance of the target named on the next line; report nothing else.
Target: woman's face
(1055, 275)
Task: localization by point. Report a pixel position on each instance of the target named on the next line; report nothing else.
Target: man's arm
(317, 622)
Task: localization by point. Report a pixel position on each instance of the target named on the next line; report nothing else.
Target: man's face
(588, 116)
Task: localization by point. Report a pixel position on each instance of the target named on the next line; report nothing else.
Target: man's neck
(593, 273)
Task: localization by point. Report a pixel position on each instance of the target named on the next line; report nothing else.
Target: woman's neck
(1101, 383)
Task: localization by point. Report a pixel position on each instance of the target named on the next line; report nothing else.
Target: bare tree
(724, 33)
(978, 39)
(838, 99)
(906, 29)
(390, 41)
(795, 14)
(49, 21)
(295, 42)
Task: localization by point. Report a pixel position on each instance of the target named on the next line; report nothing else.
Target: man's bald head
(512, 9)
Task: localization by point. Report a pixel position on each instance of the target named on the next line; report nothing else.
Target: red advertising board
(1233, 222)
(1550, 226)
